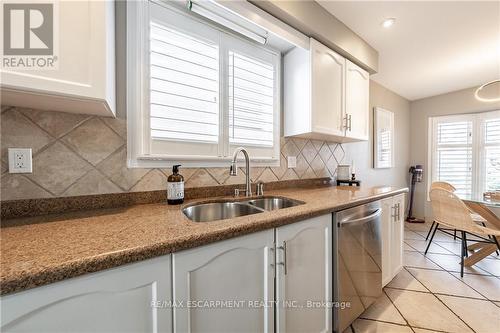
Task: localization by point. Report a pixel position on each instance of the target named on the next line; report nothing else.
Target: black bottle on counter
(175, 187)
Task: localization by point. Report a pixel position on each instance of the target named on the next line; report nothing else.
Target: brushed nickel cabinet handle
(284, 262)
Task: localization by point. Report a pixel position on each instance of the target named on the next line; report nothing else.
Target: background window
(465, 152)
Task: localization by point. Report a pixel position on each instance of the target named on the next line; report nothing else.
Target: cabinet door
(327, 89)
(115, 300)
(236, 270)
(397, 232)
(304, 274)
(84, 80)
(387, 222)
(357, 101)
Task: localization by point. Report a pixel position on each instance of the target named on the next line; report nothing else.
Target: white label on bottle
(175, 191)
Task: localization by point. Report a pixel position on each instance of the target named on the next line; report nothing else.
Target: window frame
(478, 176)
(139, 143)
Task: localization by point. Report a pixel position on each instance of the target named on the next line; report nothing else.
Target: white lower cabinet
(304, 276)
(393, 216)
(115, 300)
(233, 272)
(242, 270)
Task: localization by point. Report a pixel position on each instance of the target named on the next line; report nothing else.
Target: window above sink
(198, 87)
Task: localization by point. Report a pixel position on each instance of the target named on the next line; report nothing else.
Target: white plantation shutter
(251, 101)
(209, 91)
(491, 148)
(466, 152)
(184, 86)
(453, 155)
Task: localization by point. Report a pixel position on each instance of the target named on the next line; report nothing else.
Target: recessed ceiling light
(388, 22)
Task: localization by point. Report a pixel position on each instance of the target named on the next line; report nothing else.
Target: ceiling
(433, 48)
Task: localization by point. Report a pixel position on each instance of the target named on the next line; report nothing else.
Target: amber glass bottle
(175, 187)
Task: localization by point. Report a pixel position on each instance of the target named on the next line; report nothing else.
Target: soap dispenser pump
(175, 187)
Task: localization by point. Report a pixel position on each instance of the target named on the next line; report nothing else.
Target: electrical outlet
(20, 160)
(292, 162)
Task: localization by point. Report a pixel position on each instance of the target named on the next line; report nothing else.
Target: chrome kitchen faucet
(233, 170)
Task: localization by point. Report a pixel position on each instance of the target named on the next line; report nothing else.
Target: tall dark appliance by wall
(416, 173)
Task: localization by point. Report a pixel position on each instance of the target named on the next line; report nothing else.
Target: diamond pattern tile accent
(290, 149)
(155, 180)
(300, 143)
(280, 171)
(57, 167)
(317, 144)
(16, 186)
(325, 153)
(302, 166)
(268, 176)
(201, 178)
(118, 125)
(115, 168)
(331, 165)
(56, 123)
(319, 168)
(309, 152)
(338, 153)
(78, 154)
(19, 131)
(93, 140)
(92, 183)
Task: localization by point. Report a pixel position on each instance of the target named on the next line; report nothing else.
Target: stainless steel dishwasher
(357, 262)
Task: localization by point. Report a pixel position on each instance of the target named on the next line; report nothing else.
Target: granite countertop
(45, 249)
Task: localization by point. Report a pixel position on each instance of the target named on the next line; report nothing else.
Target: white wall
(458, 102)
(362, 152)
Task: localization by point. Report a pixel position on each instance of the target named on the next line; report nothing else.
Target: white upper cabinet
(357, 86)
(327, 89)
(84, 79)
(325, 95)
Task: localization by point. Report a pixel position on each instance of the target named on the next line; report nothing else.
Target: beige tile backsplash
(80, 155)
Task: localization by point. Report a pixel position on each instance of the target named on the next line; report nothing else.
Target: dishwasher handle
(362, 220)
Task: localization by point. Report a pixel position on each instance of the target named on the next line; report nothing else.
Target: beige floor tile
(442, 237)
(421, 330)
(443, 282)
(481, 315)
(383, 310)
(492, 266)
(348, 330)
(405, 280)
(416, 259)
(370, 326)
(426, 311)
(453, 247)
(417, 226)
(489, 286)
(408, 247)
(420, 245)
(452, 263)
(413, 235)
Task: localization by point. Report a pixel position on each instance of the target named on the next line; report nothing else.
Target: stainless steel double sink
(214, 211)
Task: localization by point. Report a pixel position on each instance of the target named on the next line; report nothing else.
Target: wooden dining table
(481, 206)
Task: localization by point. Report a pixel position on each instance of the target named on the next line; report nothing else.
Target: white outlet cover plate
(292, 162)
(20, 160)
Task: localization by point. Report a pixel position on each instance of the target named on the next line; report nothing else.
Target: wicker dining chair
(448, 187)
(451, 212)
